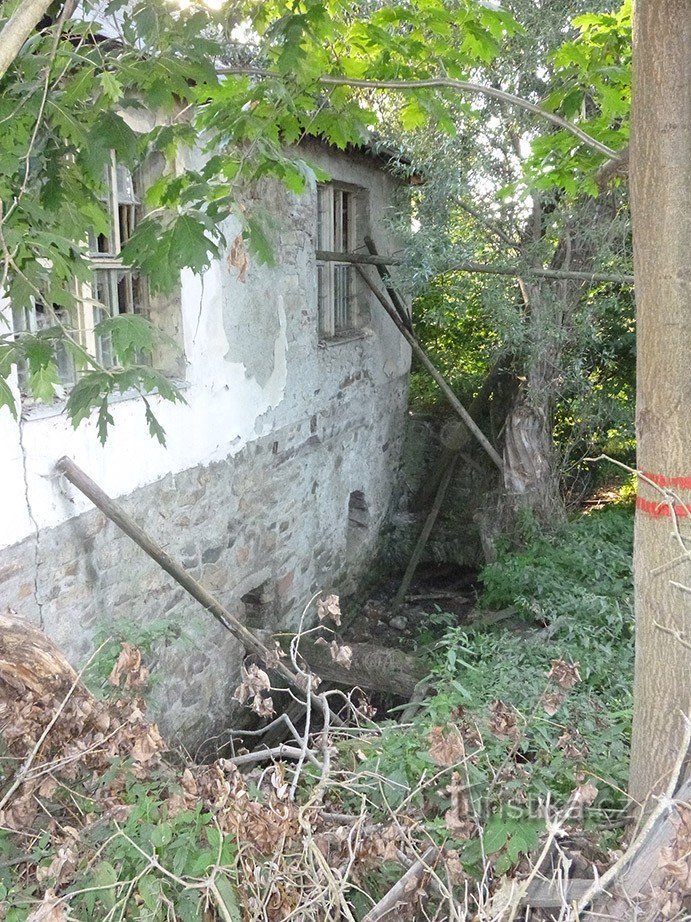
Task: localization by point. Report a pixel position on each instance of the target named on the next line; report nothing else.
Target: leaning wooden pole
(396, 299)
(426, 362)
(124, 521)
(423, 538)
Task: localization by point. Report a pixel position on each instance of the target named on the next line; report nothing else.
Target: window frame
(83, 317)
(339, 236)
(109, 264)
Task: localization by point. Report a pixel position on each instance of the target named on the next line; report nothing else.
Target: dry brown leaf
(238, 258)
(148, 745)
(60, 868)
(342, 654)
(458, 818)
(551, 702)
(585, 794)
(446, 746)
(254, 682)
(564, 674)
(50, 910)
(504, 721)
(263, 706)
(676, 866)
(573, 745)
(330, 607)
(129, 665)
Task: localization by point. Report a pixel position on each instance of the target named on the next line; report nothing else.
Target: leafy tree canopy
(247, 83)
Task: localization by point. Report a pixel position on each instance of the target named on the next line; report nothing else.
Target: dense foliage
(287, 70)
(533, 710)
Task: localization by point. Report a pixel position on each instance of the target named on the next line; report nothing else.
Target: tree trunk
(532, 476)
(531, 462)
(661, 203)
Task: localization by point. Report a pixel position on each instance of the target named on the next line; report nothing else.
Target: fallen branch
(233, 625)
(425, 533)
(278, 752)
(640, 862)
(372, 667)
(399, 894)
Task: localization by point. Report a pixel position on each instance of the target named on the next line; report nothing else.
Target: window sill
(342, 338)
(32, 409)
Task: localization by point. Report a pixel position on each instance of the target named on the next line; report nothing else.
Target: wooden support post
(396, 300)
(434, 372)
(425, 533)
(124, 521)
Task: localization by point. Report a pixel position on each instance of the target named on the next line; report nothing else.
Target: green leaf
(495, 835)
(112, 132)
(7, 397)
(43, 381)
(259, 242)
(149, 888)
(130, 334)
(163, 833)
(105, 876)
(227, 893)
(112, 87)
(104, 420)
(189, 244)
(156, 430)
(413, 115)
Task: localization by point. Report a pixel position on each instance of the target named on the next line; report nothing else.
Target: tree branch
(527, 271)
(463, 86)
(541, 273)
(18, 28)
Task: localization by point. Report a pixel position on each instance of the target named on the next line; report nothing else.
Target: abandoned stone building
(279, 470)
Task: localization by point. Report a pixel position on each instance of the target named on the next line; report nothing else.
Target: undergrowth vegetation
(529, 715)
(533, 710)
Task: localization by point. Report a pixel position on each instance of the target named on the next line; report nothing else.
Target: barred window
(337, 282)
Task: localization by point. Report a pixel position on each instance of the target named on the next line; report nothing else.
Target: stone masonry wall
(279, 470)
(274, 516)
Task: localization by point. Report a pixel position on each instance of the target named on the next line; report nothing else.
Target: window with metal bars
(337, 283)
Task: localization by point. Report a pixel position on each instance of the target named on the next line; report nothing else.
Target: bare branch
(490, 226)
(541, 273)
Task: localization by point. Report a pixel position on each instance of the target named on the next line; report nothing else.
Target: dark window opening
(259, 606)
(358, 523)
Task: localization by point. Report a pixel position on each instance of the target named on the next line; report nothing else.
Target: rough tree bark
(661, 205)
(531, 471)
